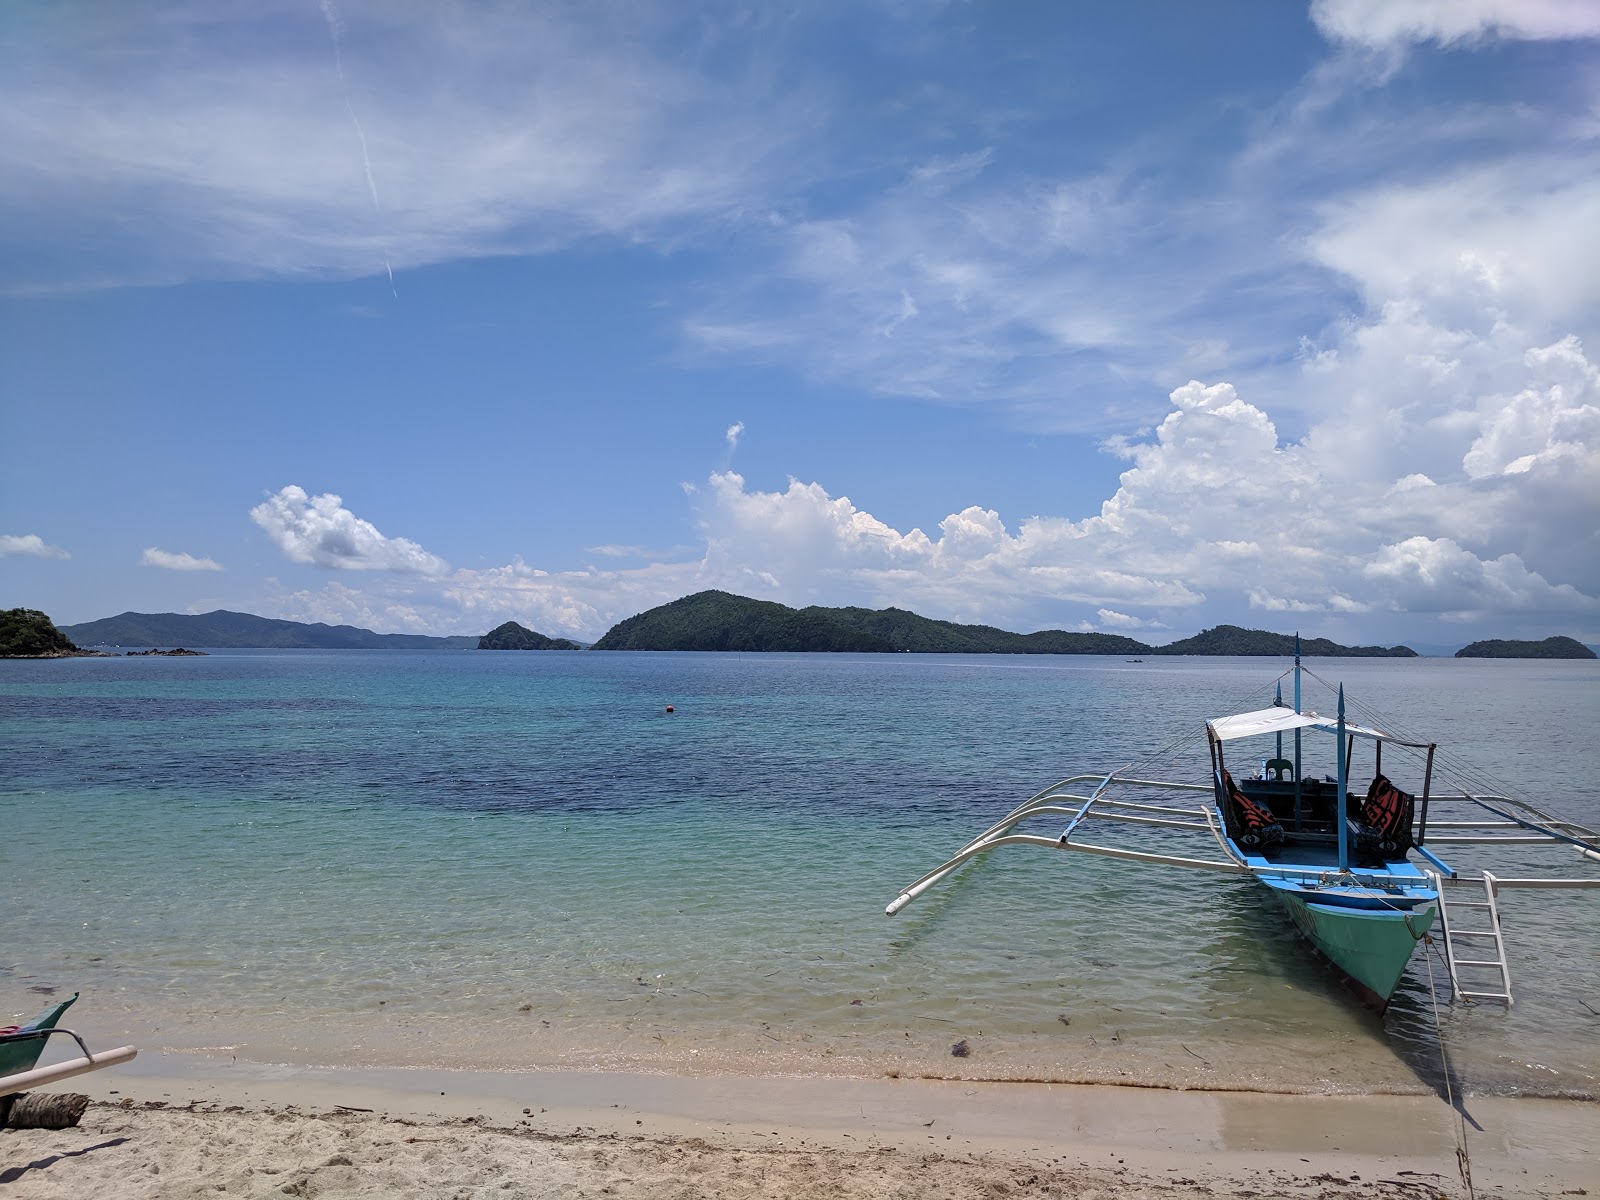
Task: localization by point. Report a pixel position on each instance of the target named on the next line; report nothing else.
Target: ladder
(1482, 949)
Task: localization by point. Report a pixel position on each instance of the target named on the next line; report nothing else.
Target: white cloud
(319, 530)
(506, 129)
(1390, 22)
(1216, 517)
(30, 544)
(1422, 575)
(1540, 425)
(152, 557)
(735, 432)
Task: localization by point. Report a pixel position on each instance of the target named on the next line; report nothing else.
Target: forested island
(706, 621)
(721, 621)
(235, 630)
(512, 636)
(1231, 639)
(1551, 647)
(29, 633)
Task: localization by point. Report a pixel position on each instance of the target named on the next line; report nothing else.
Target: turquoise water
(522, 860)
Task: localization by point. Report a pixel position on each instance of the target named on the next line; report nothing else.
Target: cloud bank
(1216, 516)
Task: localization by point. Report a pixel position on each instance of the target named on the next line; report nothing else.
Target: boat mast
(1338, 808)
(1297, 815)
(1277, 702)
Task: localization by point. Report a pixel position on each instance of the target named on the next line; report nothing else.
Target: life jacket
(1260, 826)
(1388, 810)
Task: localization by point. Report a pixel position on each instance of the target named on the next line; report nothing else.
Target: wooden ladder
(1480, 943)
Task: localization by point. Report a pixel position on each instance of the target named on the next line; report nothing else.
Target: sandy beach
(206, 1128)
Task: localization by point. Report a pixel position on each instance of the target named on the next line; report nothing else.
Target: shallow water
(518, 860)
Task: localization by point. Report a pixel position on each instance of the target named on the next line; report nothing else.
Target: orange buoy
(669, 708)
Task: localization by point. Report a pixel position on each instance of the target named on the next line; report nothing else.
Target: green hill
(721, 621)
(1231, 639)
(1551, 647)
(223, 629)
(29, 633)
(512, 636)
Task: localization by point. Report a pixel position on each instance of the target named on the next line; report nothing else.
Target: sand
(205, 1127)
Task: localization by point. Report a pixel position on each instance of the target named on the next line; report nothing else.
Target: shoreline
(549, 1124)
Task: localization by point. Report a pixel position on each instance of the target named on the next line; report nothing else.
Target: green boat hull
(1371, 946)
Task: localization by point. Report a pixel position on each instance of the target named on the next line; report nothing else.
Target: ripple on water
(520, 860)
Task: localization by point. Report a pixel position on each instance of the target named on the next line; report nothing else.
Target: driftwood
(42, 1110)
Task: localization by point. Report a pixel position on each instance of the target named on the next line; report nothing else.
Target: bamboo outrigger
(1357, 874)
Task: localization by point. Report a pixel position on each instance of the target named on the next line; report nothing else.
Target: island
(29, 633)
(512, 636)
(1231, 639)
(244, 631)
(1550, 647)
(714, 620)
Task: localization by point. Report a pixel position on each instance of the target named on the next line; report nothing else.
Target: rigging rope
(1463, 1158)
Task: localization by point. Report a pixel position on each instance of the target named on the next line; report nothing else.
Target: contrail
(366, 161)
(335, 28)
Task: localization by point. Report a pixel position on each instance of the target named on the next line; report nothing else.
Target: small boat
(1357, 872)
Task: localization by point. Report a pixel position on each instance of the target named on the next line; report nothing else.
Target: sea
(679, 863)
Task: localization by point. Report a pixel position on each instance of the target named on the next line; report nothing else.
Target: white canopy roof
(1265, 720)
(1281, 720)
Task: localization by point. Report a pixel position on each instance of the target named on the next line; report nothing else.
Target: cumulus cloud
(30, 544)
(735, 432)
(1424, 575)
(1217, 515)
(166, 559)
(319, 530)
(1390, 22)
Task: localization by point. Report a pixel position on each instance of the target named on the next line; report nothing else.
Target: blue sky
(1135, 318)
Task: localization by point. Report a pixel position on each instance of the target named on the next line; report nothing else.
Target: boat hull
(1369, 946)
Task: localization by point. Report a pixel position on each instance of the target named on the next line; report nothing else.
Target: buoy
(669, 708)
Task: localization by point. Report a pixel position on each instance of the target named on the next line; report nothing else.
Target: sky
(1135, 318)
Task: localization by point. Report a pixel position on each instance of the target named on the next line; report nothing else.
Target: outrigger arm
(1049, 801)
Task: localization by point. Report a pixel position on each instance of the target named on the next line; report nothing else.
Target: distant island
(512, 636)
(1551, 647)
(716, 620)
(705, 621)
(29, 633)
(722, 621)
(1232, 640)
(234, 630)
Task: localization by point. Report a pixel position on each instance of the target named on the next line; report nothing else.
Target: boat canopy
(1280, 720)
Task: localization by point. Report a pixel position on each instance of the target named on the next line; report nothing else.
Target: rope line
(1463, 1157)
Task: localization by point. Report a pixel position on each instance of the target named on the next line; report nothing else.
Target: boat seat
(1250, 824)
(1280, 769)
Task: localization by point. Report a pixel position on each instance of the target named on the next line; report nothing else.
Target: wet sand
(171, 1126)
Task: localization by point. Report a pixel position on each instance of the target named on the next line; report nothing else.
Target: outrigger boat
(1344, 864)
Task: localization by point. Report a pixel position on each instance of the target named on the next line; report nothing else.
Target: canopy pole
(1427, 783)
(1297, 728)
(1341, 822)
(1299, 817)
